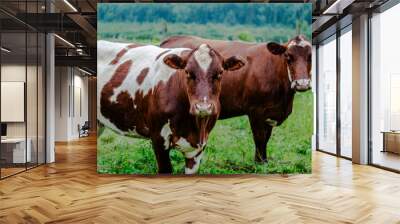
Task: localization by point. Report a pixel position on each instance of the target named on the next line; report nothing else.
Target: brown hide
(261, 87)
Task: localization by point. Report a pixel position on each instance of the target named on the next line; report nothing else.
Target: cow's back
(225, 48)
(126, 77)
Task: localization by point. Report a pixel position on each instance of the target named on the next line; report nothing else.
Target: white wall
(33, 126)
(16, 73)
(71, 94)
(61, 103)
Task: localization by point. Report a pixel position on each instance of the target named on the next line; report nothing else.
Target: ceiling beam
(78, 61)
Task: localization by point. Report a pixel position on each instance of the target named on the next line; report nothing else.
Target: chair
(84, 130)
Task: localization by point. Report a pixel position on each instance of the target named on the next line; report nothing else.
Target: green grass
(154, 33)
(230, 149)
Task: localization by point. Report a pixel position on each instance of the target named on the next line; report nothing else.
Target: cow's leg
(162, 156)
(261, 134)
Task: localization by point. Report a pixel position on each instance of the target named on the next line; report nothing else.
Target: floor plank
(70, 191)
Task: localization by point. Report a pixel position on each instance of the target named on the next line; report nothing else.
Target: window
(327, 96)
(346, 92)
(385, 89)
(22, 101)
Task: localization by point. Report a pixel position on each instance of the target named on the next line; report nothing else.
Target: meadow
(230, 148)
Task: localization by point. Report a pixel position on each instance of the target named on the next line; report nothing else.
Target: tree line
(256, 14)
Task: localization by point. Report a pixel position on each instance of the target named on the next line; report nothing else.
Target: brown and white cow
(168, 95)
(265, 87)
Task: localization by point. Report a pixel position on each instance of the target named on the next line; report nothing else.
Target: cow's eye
(289, 59)
(190, 75)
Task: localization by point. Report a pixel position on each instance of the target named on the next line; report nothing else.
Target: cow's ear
(174, 61)
(276, 48)
(233, 63)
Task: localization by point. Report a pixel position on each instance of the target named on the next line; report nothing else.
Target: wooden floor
(70, 191)
(387, 159)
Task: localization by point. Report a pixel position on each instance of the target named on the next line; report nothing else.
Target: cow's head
(297, 55)
(204, 68)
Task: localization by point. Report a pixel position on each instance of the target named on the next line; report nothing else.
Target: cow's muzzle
(203, 109)
(301, 85)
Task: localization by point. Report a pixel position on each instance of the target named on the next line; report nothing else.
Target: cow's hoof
(261, 161)
(165, 171)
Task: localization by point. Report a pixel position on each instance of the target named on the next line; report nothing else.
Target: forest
(258, 14)
(252, 22)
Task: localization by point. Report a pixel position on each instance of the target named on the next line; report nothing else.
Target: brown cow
(264, 88)
(168, 95)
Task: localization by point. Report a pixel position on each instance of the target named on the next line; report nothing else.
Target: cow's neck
(279, 95)
(176, 104)
(287, 90)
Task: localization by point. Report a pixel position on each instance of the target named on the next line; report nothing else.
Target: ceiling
(328, 13)
(74, 21)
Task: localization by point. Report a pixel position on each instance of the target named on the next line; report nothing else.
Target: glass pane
(385, 85)
(13, 79)
(31, 86)
(31, 98)
(41, 99)
(327, 96)
(346, 93)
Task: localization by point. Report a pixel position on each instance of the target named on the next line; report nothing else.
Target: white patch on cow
(202, 145)
(183, 145)
(193, 153)
(132, 133)
(186, 148)
(108, 124)
(271, 122)
(134, 106)
(190, 153)
(302, 43)
(289, 74)
(106, 52)
(202, 56)
(196, 166)
(166, 134)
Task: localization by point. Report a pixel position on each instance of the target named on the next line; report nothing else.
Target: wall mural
(204, 88)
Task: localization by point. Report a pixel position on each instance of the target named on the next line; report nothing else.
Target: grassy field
(230, 149)
(154, 33)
